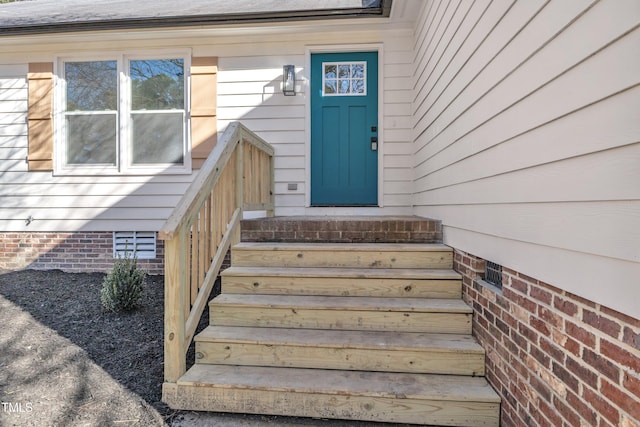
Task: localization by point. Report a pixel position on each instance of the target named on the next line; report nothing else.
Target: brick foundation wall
(555, 358)
(70, 252)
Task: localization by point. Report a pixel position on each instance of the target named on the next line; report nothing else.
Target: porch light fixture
(289, 80)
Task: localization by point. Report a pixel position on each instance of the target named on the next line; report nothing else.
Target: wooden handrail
(237, 176)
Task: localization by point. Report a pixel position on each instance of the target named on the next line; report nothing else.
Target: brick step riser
(342, 231)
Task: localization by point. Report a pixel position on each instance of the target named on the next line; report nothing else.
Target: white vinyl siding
(528, 139)
(87, 204)
(249, 90)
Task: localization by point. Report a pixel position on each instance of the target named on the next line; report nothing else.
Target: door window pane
(330, 86)
(343, 71)
(157, 138)
(357, 71)
(357, 86)
(330, 71)
(344, 87)
(91, 139)
(344, 78)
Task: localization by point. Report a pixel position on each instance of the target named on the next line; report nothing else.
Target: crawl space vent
(142, 244)
(493, 273)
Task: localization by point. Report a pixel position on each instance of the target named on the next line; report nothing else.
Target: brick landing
(348, 229)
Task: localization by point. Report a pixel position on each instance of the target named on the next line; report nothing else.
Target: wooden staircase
(359, 331)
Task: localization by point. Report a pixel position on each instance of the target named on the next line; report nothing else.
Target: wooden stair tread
(346, 255)
(356, 273)
(355, 331)
(342, 247)
(336, 382)
(341, 339)
(344, 303)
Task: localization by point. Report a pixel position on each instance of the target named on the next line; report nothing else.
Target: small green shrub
(122, 287)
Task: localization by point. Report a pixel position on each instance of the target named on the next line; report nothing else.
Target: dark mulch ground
(128, 347)
(65, 361)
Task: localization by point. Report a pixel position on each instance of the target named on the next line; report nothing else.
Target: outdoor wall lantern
(289, 80)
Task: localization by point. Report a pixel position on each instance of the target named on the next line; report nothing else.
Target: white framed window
(123, 114)
(344, 78)
(141, 244)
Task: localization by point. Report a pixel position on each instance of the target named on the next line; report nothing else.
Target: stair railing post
(175, 299)
(272, 187)
(240, 174)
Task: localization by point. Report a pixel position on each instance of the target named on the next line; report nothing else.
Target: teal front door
(344, 129)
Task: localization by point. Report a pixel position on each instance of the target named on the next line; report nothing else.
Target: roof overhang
(64, 16)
